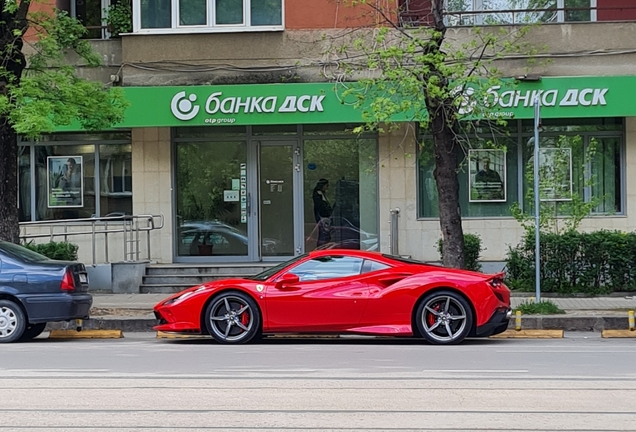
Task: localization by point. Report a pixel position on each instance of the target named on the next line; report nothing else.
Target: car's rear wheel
(33, 331)
(444, 318)
(233, 318)
(12, 321)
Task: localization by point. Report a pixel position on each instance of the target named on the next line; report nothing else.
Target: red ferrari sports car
(343, 291)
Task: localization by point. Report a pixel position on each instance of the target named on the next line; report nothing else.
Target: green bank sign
(316, 103)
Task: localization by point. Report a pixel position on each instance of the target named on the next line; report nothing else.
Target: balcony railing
(416, 13)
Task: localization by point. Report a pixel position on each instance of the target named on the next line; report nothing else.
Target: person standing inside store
(322, 212)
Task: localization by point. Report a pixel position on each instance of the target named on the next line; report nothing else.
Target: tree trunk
(445, 173)
(9, 228)
(12, 26)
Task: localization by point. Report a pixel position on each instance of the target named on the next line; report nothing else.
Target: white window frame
(210, 27)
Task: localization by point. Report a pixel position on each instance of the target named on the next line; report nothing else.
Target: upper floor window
(498, 12)
(192, 16)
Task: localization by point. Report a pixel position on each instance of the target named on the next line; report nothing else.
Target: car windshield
(272, 271)
(21, 253)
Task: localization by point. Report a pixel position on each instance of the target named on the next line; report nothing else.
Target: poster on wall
(487, 175)
(65, 181)
(555, 174)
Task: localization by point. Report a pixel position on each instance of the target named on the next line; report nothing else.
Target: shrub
(472, 251)
(62, 251)
(595, 263)
(544, 307)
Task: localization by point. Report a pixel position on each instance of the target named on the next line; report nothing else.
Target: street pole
(537, 200)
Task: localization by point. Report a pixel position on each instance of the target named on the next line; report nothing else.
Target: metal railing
(394, 246)
(422, 16)
(131, 227)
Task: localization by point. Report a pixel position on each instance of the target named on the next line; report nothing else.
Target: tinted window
(272, 271)
(21, 253)
(371, 266)
(328, 267)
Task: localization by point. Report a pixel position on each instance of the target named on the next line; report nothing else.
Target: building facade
(239, 134)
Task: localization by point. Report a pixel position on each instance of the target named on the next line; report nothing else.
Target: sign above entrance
(322, 103)
(243, 105)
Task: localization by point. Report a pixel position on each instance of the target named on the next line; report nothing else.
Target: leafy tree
(42, 92)
(415, 72)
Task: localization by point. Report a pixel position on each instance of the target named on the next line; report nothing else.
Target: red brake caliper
(430, 318)
(245, 318)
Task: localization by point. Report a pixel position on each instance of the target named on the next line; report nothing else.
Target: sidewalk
(133, 313)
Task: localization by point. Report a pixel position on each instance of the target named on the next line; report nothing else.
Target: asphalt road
(580, 383)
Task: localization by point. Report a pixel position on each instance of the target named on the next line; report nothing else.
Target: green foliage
(562, 208)
(119, 18)
(62, 251)
(595, 263)
(50, 93)
(472, 251)
(544, 307)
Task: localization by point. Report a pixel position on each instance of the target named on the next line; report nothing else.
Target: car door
(328, 296)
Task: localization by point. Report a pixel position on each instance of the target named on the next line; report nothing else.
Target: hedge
(62, 251)
(599, 262)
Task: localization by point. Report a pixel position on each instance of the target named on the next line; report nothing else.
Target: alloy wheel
(444, 318)
(231, 318)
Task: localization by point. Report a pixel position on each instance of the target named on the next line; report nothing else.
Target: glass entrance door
(212, 201)
(276, 199)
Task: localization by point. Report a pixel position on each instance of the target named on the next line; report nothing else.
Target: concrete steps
(172, 278)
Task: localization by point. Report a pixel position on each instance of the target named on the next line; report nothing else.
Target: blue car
(35, 290)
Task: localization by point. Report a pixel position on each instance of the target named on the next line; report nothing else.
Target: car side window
(371, 266)
(328, 267)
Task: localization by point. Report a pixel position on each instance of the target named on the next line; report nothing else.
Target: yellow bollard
(518, 321)
(631, 321)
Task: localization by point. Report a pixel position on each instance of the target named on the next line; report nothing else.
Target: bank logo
(467, 101)
(182, 107)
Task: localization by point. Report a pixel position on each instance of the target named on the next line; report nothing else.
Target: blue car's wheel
(12, 321)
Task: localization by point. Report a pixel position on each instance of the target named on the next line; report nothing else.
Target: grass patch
(544, 307)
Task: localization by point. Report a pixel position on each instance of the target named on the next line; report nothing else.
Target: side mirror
(287, 279)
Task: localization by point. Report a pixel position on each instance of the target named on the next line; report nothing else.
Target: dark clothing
(489, 176)
(322, 208)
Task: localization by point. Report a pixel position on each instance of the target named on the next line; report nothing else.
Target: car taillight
(68, 282)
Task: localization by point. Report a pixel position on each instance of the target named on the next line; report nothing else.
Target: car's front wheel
(444, 318)
(12, 321)
(233, 318)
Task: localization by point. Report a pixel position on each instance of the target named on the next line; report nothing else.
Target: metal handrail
(129, 225)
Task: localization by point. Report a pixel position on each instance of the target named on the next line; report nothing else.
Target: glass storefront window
(340, 193)
(115, 170)
(64, 181)
(593, 145)
(208, 210)
(67, 179)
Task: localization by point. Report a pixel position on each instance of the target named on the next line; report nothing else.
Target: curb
(574, 323)
(530, 334)
(86, 334)
(618, 334)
